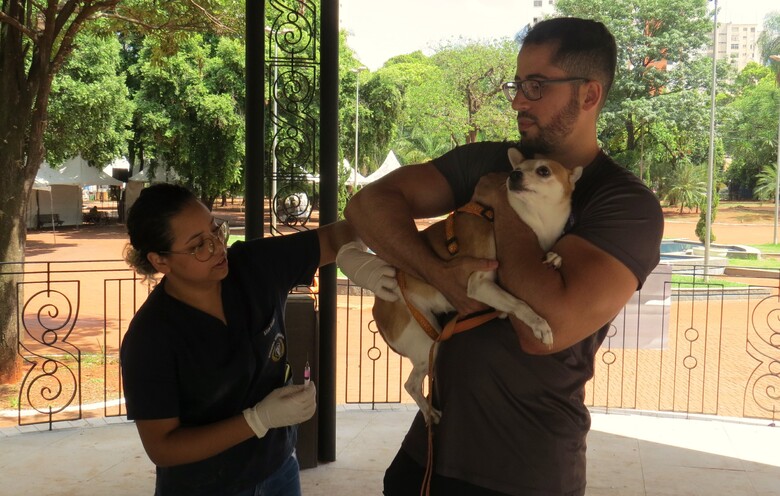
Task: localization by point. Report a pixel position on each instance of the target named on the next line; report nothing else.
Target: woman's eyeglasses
(206, 248)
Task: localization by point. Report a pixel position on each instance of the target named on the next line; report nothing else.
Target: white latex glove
(288, 405)
(368, 271)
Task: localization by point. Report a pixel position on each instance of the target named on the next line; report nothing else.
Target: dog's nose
(515, 182)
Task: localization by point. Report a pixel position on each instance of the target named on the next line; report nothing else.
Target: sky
(382, 29)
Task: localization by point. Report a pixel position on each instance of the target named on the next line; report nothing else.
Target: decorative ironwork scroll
(762, 391)
(293, 113)
(52, 383)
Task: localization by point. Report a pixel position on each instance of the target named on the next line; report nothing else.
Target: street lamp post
(711, 158)
(357, 72)
(776, 58)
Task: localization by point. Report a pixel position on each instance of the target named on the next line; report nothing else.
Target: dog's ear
(515, 156)
(575, 175)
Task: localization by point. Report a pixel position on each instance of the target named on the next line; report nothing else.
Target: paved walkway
(628, 455)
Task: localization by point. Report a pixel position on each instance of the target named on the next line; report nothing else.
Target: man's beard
(549, 137)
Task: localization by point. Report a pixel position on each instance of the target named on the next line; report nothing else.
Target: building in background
(541, 9)
(738, 44)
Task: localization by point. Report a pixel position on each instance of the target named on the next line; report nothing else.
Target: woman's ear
(159, 262)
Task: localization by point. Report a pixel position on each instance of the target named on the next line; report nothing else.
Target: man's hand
(452, 281)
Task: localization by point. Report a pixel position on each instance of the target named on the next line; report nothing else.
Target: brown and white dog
(539, 190)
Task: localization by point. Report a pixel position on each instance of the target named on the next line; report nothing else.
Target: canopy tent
(160, 176)
(389, 165)
(41, 184)
(78, 170)
(54, 193)
(140, 179)
(46, 174)
(118, 169)
(361, 180)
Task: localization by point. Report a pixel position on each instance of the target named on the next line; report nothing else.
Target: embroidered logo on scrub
(270, 326)
(278, 348)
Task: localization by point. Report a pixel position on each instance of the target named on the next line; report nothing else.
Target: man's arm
(383, 214)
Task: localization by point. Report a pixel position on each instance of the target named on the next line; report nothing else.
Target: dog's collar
(474, 208)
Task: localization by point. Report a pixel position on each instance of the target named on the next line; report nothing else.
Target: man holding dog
(513, 414)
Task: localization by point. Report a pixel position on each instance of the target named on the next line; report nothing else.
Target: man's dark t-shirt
(513, 422)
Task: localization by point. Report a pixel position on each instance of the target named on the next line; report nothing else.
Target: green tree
(90, 110)
(470, 88)
(36, 40)
(421, 120)
(190, 105)
(766, 183)
(769, 39)
(751, 124)
(659, 55)
(688, 187)
(380, 109)
(701, 225)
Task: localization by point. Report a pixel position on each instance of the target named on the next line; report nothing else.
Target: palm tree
(769, 40)
(766, 183)
(688, 186)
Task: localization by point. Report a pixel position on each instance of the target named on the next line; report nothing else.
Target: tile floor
(629, 455)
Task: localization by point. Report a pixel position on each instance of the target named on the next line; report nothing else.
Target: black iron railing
(708, 347)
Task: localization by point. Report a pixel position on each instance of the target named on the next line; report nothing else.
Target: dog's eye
(543, 171)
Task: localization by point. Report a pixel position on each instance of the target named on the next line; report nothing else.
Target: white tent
(54, 193)
(140, 179)
(65, 195)
(389, 165)
(118, 168)
(119, 163)
(361, 180)
(160, 176)
(79, 171)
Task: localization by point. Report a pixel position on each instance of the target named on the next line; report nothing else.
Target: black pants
(404, 477)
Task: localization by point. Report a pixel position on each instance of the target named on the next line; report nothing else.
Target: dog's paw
(553, 260)
(432, 415)
(543, 332)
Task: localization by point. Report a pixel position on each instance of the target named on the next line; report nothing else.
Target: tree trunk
(24, 93)
(630, 130)
(13, 231)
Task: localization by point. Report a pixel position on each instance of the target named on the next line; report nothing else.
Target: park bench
(53, 219)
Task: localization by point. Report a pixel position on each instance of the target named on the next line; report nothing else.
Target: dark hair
(149, 223)
(583, 47)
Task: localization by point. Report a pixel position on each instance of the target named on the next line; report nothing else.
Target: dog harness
(474, 208)
(455, 325)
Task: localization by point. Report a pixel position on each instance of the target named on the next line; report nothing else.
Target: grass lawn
(768, 248)
(686, 281)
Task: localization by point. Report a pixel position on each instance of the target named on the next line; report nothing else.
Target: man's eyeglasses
(205, 249)
(532, 88)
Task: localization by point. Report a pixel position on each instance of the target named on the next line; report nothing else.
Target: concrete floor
(628, 455)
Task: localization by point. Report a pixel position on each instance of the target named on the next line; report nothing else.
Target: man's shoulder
(605, 172)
